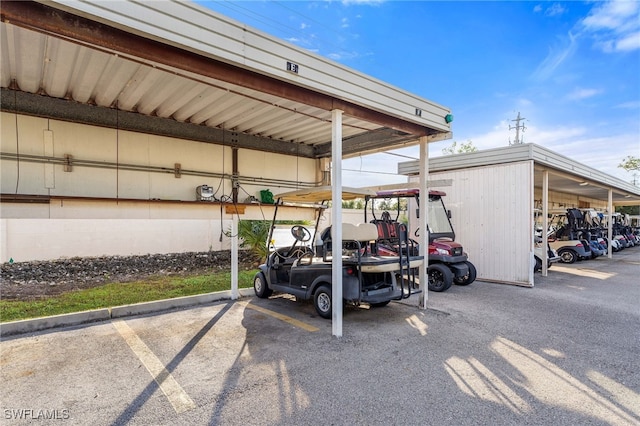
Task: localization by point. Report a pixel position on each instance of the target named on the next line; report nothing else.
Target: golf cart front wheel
(260, 286)
(440, 277)
(322, 301)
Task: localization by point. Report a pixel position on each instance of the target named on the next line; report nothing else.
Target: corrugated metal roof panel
(203, 31)
(83, 64)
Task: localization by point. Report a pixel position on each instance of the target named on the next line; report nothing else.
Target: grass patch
(117, 294)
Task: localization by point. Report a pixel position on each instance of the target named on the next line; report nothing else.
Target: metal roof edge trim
(539, 155)
(353, 86)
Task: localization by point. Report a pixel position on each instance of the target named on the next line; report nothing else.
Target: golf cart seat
(387, 228)
(354, 238)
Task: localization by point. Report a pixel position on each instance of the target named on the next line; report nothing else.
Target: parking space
(564, 352)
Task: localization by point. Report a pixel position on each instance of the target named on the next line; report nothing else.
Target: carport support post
(234, 257)
(610, 225)
(545, 221)
(336, 221)
(423, 220)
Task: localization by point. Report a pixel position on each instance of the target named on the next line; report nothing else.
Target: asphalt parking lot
(564, 353)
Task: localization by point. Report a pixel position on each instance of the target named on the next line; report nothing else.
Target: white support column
(336, 221)
(234, 257)
(610, 225)
(423, 220)
(545, 220)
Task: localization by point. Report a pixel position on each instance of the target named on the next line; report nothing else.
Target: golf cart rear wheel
(260, 286)
(470, 277)
(322, 301)
(379, 304)
(567, 255)
(440, 277)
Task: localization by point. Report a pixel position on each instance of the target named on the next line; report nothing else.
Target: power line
(373, 172)
(400, 155)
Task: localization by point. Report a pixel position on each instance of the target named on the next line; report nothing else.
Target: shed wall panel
(492, 216)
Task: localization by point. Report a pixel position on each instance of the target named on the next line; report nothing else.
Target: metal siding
(491, 214)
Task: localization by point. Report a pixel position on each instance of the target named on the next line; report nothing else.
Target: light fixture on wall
(584, 183)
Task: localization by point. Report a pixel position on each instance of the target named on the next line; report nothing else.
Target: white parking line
(178, 398)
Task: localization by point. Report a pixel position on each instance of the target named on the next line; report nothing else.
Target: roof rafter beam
(15, 101)
(365, 143)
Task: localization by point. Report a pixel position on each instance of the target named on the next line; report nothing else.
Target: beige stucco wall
(110, 211)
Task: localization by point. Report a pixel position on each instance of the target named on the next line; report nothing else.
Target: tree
(632, 165)
(463, 148)
(357, 203)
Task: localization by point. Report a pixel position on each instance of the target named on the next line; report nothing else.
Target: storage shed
(492, 195)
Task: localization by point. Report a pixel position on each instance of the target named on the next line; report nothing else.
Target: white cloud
(362, 2)
(612, 15)
(629, 42)
(556, 57)
(629, 105)
(571, 141)
(554, 10)
(614, 25)
(580, 93)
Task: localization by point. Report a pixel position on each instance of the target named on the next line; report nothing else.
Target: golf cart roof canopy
(319, 194)
(408, 192)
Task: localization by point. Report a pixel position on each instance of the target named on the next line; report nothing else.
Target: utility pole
(518, 127)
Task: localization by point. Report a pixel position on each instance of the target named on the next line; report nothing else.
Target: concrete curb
(77, 318)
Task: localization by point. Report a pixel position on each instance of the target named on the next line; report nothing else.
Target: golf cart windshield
(439, 224)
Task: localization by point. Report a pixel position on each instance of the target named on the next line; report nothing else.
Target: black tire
(440, 277)
(379, 304)
(322, 301)
(260, 286)
(567, 256)
(469, 278)
(538, 265)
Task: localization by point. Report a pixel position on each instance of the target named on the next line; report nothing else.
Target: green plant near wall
(254, 233)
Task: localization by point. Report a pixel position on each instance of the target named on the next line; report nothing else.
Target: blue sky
(572, 69)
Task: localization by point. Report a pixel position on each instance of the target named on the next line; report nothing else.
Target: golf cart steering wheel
(300, 233)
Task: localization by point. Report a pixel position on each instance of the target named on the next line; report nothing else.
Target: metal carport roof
(178, 69)
(565, 174)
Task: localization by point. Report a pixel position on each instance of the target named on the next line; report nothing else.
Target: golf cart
(568, 236)
(448, 262)
(304, 269)
(539, 243)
